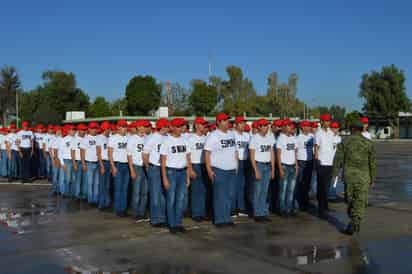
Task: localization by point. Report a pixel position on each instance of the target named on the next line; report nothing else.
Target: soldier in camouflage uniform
(356, 155)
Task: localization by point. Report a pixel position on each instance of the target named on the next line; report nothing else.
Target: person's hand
(84, 167)
(257, 175)
(187, 182)
(211, 175)
(297, 171)
(193, 175)
(114, 171)
(166, 184)
(75, 166)
(371, 184)
(102, 170)
(133, 175)
(281, 173)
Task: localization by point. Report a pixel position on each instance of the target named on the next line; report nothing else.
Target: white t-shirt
(262, 145)
(367, 135)
(242, 142)
(119, 145)
(102, 142)
(325, 139)
(305, 147)
(222, 147)
(89, 144)
(175, 149)
(3, 139)
(287, 146)
(12, 140)
(336, 140)
(135, 146)
(65, 148)
(54, 144)
(25, 138)
(76, 141)
(152, 147)
(196, 146)
(39, 139)
(48, 140)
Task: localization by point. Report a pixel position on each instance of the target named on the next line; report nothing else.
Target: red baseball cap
(263, 122)
(57, 128)
(212, 126)
(25, 124)
(364, 120)
(222, 117)
(131, 125)
(122, 123)
(255, 124)
(93, 125)
(12, 126)
(146, 123)
(105, 125)
(314, 125)
(286, 122)
(334, 124)
(277, 123)
(230, 125)
(68, 127)
(50, 127)
(81, 127)
(199, 121)
(325, 117)
(178, 122)
(239, 119)
(305, 124)
(161, 123)
(247, 128)
(113, 127)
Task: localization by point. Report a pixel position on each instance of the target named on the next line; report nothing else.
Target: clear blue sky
(329, 44)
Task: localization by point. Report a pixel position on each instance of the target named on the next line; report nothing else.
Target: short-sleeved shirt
(242, 143)
(25, 137)
(119, 145)
(196, 146)
(135, 146)
(54, 144)
(325, 140)
(89, 144)
(65, 148)
(12, 140)
(76, 142)
(3, 139)
(102, 142)
(305, 147)
(262, 145)
(48, 140)
(222, 147)
(287, 146)
(152, 147)
(176, 150)
(39, 139)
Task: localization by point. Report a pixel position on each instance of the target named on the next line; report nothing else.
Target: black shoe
(173, 230)
(181, 229)
(323, 216)
(198, 219)
(259, 219)
(220, 225)
(230, 224)
(350, 229)
(266, 220)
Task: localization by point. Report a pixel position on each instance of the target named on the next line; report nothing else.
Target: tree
(142, 95)
(118, 106)
(203, 98)
(99, 108)
(338, 113)
(9, 86)
(384, 93)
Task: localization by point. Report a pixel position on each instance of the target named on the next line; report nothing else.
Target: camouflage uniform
(356, 155)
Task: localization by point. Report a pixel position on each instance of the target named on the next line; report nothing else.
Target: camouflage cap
(357, 124)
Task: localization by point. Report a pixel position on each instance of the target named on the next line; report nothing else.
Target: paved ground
(42, 234)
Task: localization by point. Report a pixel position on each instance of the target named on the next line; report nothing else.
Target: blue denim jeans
(157, 196)
(49, 167)
(15, 165)
(140, 192)
(79, 181)
(55, 179)
(41, 172)
(104, 186)
(175, 196)
(92, 182)
(121, 185)
(239, 201)
(66, 178)
(260, 190)
(3, 163)
(303, 183)
(198, 191)
(287, 189)
(222, 195)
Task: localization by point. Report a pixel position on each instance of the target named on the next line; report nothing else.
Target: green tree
(142, 95)
(203, 98)
(118, 106)
(384, 93)
(338, 113)
(9, 86)
(99, 108)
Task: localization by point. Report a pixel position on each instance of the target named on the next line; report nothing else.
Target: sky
(329, 44)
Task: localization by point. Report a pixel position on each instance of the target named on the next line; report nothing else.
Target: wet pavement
(43, 234)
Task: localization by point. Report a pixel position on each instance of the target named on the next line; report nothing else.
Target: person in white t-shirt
(104, 166)
(55, 159)
(135, 146)
(324, 154)
(25, 145)
(199, 188)
(64, 153)
(365, 133)
(305, 143)
(48, 140)
(241, 188)
(38, 161)
(119, 167)
(13, 154)
(176, 170)
(151, 161)
(221, 158)
(79, 186)
(262, 157)
(90, 164)
(288, 168)
(334, 126)
(3, 153)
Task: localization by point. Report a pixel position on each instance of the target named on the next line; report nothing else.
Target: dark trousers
(304, 183)
(26, 164)
(324, 180)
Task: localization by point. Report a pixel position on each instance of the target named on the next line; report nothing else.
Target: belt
(177, 169)
(150, 164)
(288, 165)
(263, 163)
(91, 162)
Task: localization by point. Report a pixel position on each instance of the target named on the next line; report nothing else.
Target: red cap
(286, 122)
(50, 127)
(364, 120)
(199, 121)
(314, 125)
(239, 119)
(212, 126)
(277, 123)
(178, 122)
(39, 127)
(12, 126)
(81, 127)
(230, 125)
(325, 117)
(334, 124)
(93, 125)
(131, 125)
(122, 123)
(222, 117)
(262, 122)
(25, 124)
(161, 123)
(146, 123)
(255, 124)
(305, 124)
(105, 125)
(292, 125)
(247, 128)
(113, 127)
(68, 127)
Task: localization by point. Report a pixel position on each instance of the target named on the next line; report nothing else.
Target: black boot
(350, 229)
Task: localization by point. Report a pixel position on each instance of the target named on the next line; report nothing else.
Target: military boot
(350, 229)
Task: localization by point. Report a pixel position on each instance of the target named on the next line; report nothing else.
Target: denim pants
(222, 195)
(287, 189)
(49, 167)
(140, 192)
(157, 196)
(55, 179)
(198, 191)
(324, 181)
(15, 165)
(304, 183)
(92, 182)
(26, 164)
(260, 190)
(104, 186)
(239, 201)
(121, 185)
(175, 196)
(3, 163)
(66, 178)
(79, 179)
(41, 172)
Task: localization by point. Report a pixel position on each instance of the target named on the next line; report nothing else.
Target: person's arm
(272, 162)
(83, 159)
(252, 152)
(279, 162)
(73, 157)
(32, 146)
(208, 164)
(131, 167)
(100, 159)
(112, 165)
(165, 180)
(8, 149)
(296, 162)
(189, 170)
